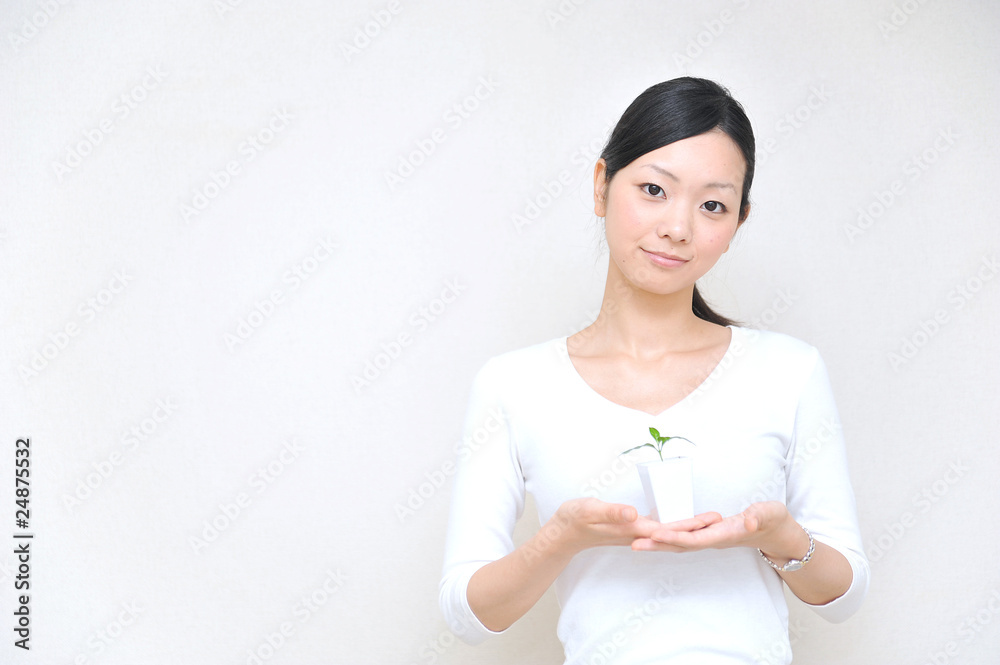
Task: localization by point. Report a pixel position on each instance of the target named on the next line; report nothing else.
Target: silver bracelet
(793, 564)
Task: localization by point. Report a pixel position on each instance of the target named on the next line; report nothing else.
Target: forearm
(827, 575)
(501, 592)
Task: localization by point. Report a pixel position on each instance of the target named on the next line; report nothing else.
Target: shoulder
(530, 362)
(777, 343)
(780, 353)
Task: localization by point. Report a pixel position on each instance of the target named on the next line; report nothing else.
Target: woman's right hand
(587, 522)
(501, 592)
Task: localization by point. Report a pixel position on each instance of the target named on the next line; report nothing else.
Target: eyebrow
(713, 185)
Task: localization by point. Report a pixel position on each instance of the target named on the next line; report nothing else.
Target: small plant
(658, 442)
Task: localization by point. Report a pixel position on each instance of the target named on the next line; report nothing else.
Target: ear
(600, 188)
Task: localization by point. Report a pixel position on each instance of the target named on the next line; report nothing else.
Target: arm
(818, 496)
(503, 591)
(827, 575)
(819, 493)
(487, 498)
(487, 583)
(767, 526)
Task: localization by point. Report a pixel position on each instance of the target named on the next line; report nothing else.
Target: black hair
(672, 111)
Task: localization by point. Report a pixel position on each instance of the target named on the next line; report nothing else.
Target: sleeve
(819, 493)
(487, 499)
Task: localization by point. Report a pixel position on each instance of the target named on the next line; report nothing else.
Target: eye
(651, 189)
(714, 206)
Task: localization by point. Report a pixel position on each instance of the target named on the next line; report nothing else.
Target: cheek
(623, 226)
(628, 215)
(717, 240)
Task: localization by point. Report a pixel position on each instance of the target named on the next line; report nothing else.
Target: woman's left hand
(762, 525)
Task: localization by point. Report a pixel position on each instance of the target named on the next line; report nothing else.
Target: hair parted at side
(672, 111)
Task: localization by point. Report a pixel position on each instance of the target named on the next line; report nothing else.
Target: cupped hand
(589, 522)
(751, 528)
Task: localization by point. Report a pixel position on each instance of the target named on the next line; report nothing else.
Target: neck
(641, 324)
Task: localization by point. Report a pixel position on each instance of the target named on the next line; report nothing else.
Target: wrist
(792, 552)
(555, 539)
(787, 541)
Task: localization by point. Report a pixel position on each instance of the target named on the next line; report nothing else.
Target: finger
(687, 538)
(648, 545)
(694, 523)
(709, 518)
(619, 513)
(666, 537)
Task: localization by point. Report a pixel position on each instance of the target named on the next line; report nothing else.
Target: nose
(675, 222)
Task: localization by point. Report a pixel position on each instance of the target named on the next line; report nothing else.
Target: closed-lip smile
(665, 255)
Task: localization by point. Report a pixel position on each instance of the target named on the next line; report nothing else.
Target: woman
(773, 501)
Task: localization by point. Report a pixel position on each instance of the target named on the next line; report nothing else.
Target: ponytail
(706, 313)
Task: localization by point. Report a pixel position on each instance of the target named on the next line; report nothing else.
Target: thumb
(751, 522)
(623, 513)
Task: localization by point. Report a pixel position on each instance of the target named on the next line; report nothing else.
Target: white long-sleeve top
(765, 427)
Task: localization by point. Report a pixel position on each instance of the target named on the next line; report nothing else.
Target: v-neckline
(710, 378)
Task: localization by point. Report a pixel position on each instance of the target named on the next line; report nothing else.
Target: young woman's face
(671, 213)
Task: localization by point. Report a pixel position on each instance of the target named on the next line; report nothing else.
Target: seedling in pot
(659, 442)
(668, 482)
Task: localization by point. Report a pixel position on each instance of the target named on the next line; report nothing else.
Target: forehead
(710, 156)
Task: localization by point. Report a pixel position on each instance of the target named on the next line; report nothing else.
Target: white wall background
(116, 300)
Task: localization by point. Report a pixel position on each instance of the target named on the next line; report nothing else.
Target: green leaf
(641, 445)
(654, 432)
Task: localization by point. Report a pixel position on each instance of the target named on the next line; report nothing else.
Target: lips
(665, 255)
(664, 259)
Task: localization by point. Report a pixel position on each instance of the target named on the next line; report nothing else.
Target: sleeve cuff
(842, 608)
(459, 616)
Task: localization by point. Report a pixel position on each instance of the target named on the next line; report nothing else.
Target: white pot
(669, 489)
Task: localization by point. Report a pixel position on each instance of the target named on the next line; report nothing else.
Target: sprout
(658, 444)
